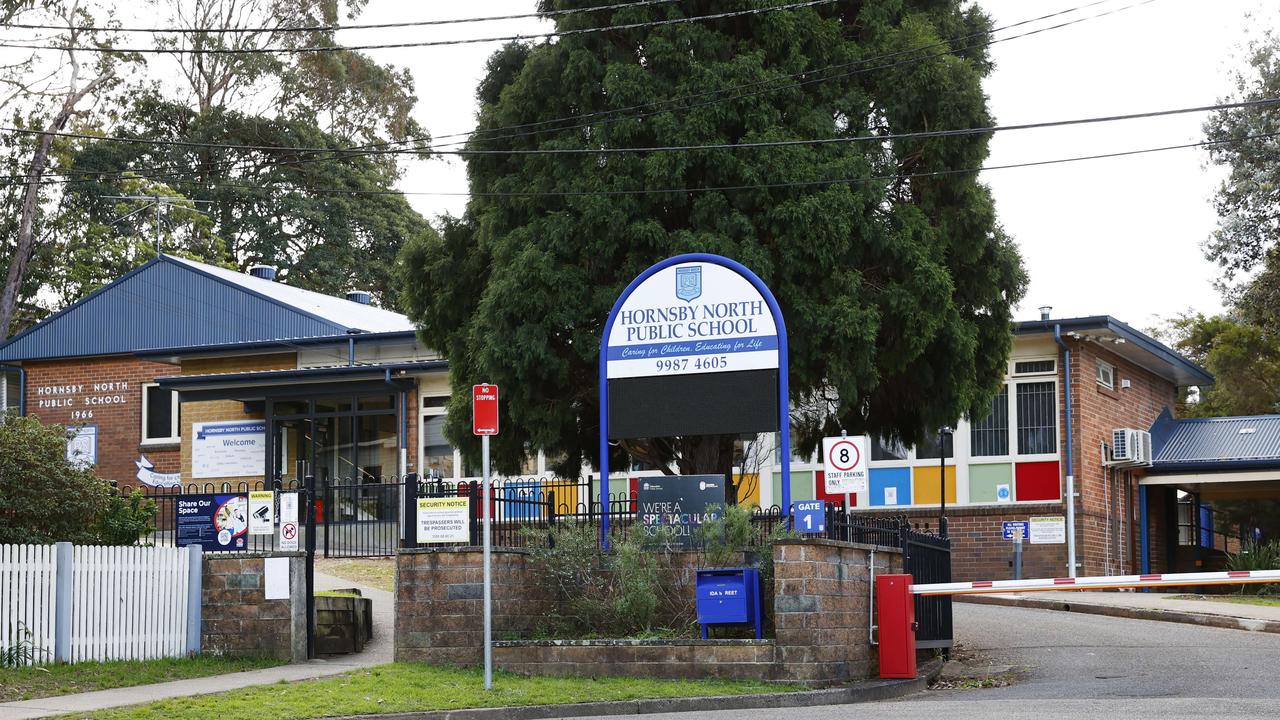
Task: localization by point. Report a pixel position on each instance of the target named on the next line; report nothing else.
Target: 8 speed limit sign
(845, 462)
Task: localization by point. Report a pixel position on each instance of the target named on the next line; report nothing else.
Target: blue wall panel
(897, 478)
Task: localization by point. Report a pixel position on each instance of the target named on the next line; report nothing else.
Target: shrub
(44, 498)
(1256, 556)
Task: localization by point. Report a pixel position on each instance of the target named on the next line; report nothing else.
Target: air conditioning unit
(1130, 448)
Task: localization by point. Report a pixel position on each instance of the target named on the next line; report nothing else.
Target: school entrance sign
(696, 345)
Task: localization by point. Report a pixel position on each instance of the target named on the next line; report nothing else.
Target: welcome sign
(229, 449)
(696, 317)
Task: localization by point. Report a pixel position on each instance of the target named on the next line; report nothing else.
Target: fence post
(551, 508)
(195, 599)
(409, 520)
(62, 593)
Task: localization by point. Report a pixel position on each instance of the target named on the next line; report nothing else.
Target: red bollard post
(896, 616)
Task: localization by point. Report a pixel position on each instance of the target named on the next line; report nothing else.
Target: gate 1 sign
(680, 503)
(810, 516)
(214, 522)
(484, 409)
(689, 318)
(845, 461)
(444, 520)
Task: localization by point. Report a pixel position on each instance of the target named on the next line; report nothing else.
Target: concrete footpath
(1144, 606)
(377, 652)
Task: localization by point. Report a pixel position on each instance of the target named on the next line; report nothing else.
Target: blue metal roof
(1139, 347)
(1222, 443)
(176, 303)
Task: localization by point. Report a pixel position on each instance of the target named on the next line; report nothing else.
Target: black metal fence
(166, 501)
(927, 558)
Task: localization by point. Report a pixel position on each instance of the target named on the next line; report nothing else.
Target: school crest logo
(689, 283)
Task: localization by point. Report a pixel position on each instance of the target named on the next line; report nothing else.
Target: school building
(181, 372)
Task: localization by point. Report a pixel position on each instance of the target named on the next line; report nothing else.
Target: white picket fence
(112, 603)
(27, 580)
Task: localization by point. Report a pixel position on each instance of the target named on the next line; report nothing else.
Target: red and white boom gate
(895, 601)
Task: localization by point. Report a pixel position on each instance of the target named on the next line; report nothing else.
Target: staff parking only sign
(845, 461)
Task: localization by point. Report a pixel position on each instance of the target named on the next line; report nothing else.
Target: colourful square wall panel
(1037, 481)
(820, 489)
(748, 488)
(984, 479)
(801, 487)
(890, 486)
(924, 485)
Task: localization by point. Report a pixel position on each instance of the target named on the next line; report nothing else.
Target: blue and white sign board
(228, 449)
(694, 317)
(82, 446)
(216, 523)
(810, 516)
(1004, 493)
(1012, 529)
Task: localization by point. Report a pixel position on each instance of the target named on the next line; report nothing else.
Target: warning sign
(845, 461)
(1048, 530)
(262, 508)
(444, 520)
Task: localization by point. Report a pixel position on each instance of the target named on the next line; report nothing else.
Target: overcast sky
(1119, 236)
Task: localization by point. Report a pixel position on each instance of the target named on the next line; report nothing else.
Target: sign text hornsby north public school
(696, 317)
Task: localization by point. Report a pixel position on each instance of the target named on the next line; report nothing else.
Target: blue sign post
(1009, 529)
(695, 314)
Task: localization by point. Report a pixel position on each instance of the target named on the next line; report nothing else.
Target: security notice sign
(1048, 530)
(444, 520)
(262, 506)
(484, 409)
(288, 539)
(845, 461)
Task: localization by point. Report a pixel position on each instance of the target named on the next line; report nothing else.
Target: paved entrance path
(377, 652)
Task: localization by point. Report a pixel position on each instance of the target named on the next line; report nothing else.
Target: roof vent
(265, 272)
(1248, 430)
(1044, 311)
(360, 296)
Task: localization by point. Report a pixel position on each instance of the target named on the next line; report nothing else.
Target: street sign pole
(488, 578)
(484, 422)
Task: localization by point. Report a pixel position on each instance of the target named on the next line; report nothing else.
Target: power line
(335, 28)
(430, 43)
(370, 149)
(925, 134)
(758, 186)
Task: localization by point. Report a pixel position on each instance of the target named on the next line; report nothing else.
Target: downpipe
(1071, 480)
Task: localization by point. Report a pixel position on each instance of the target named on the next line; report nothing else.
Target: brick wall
(439, 602)
(106, 392)
(820, 593)
(237, 619)
(224, 410)
(1106, 508)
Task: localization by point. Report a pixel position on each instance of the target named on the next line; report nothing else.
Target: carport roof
(1223, 443)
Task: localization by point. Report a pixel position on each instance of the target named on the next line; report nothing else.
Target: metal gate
(927, 559)
(361, 519)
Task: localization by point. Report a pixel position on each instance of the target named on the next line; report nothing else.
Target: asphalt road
(1087, 667)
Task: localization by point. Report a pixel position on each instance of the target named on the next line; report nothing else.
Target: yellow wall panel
(924, 485)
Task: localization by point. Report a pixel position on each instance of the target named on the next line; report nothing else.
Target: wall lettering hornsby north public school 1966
(87, 395)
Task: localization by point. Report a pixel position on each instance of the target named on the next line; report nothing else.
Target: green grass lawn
(29, 683)
(406, 687)
(1265, 600)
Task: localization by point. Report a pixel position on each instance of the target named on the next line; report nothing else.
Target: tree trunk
(30, 202)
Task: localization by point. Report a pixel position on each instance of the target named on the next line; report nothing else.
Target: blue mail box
(727, 597)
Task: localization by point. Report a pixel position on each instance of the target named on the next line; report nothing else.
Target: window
(9, 392)
(437, 453)
(928, 447)
(883, 449)
(161, 415)
(1037, 418)
(1033, 367)
(1106, 375)
(990, 437)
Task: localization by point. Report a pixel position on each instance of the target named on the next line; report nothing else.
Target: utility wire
(758, 186)
(372, 148)
(335, 28)
(430, 43)
(925, 134)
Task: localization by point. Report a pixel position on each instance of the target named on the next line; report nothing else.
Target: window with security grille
(990, 436)
(1033, 367)
(1037, 413)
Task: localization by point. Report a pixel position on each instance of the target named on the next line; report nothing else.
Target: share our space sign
(697, 317)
